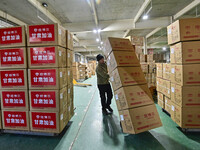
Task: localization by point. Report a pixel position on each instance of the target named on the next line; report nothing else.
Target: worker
(104, 85)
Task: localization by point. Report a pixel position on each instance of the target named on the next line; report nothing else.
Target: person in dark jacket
(104, 85)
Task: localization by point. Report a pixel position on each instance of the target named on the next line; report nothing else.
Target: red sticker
(41, 33)
(15, 119)
(42, 55)
(12, 56)
(43, 99)
(43, 120)
(14, 98)
(43, 77)
(11, 35)
(12, 78)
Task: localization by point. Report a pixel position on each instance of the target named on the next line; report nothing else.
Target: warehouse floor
(89, 130)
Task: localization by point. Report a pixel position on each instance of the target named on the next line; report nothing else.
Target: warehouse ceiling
(115, 18)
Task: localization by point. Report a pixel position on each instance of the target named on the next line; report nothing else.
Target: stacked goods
(79, 71)
(13, 83)
(184, 41)
(93, 65)
(134, 101)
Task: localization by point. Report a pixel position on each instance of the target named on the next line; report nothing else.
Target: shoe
(110, 109)
(105, 112)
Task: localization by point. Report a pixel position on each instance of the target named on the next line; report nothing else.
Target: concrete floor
(89, 130)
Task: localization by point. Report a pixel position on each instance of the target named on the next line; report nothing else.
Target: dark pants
(105, 90)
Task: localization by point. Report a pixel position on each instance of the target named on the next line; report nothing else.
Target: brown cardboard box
(133, 96)
(69, 58)
(69, 42)
(13, 37)
(80, 65)
(150, 58)
(164, 87)
(15, 120)
(186, 117)
(153, 78)
(14, 100)
(185, 96)
(185, 53)
(137, 41)
(159, 70)
(137, 120)
(161, 101)
(184, 30)
(185, 74)
(47, 78)
(48, 100)
(47, 121)
(125, 76)
(47, 57)
(168, 104)
(159, 84)
(166, 71)
(46, 35)
(143, 58)
(13, 58)
(117, 44)
(145, 67)
(70, 76)
(139, 49)
(121, 59)
(152, 67)
(13, 79)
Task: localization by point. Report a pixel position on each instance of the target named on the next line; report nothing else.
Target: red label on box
(12, 56)
(15, 119)
(12, 78)
(40, 77)
(41, 33)
(11, 35)
(14, 98)
(43, 99)
(43, 120)
(42, 55)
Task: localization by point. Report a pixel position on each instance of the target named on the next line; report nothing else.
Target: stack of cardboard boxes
(93, 65)
(44, 99)
(183, 73)
(134, 101)
(79, 71)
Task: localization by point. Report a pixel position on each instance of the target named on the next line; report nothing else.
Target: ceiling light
(44, 5)
(101, 43)
(145, 17)
(99, 47)
(164, 48)
(94, 31)
(97, 40)
(99, 30)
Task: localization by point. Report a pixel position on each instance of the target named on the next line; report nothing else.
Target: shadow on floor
(195, 136)
(112, 127)
(31, 142)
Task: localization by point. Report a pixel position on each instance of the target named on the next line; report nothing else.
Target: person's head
(100, 58)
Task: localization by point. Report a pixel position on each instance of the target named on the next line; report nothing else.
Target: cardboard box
(186, 117)
(143, 58)
(185, 96)
(161, 101)
(14, 99)
(185, 74)
(121, 59)
(153, 80)
(13, 79)
(152, 68)
(150, 58)
(13, 58)
(13, 37)
(159, 70)
(164, 87)
(137, 41)
(139, 49)
(159, 85)
(70, 76)
(117, 44)
(47, 57)
(145, 67)
(47, 78)
(133, 96)
(48, 100)
(137, 120)
(15, 120)
(69, 42)
(70, 57)
(168, 104)
(79, 65)
(185, 53)
(125, 76)
(46, 35)
(184, 30)
(50, 122)
(166, 71)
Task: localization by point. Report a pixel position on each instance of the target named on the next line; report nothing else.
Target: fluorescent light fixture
(97, 40)
(44, 5)
(99, 30)
(94, 31)
(145, 17)
(101, 43)
(98, 46)
(164, 48)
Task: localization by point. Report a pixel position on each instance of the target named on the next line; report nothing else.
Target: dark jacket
(102, 74)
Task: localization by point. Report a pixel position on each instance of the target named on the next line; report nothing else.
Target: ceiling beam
(153, 32)
(186, 9)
